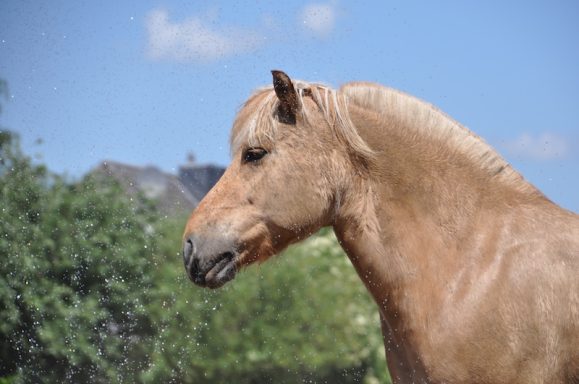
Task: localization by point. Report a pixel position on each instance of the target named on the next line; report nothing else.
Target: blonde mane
(256, 123)
(431, 123)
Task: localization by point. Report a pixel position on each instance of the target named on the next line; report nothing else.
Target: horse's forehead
(252, 105)
(252, 118)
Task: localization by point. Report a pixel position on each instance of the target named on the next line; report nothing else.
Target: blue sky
(147, 82)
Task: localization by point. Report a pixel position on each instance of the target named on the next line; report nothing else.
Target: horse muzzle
(209, 262)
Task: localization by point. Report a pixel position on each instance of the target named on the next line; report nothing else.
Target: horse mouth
(222, 271)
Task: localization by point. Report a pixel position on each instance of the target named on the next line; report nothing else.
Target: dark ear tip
(277, 74)
(285, 91)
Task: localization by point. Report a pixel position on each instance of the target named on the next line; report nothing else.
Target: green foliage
(71, 279)
(92, 289)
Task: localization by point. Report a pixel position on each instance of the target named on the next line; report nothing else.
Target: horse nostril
(187, 252)
(191, 261)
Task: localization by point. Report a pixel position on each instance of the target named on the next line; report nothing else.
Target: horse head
(281, 186)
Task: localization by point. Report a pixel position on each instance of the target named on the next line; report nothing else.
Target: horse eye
(252, 155)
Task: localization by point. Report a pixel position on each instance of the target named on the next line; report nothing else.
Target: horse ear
(287, 95)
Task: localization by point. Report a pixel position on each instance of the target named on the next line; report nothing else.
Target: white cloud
(318, 19)
(547, 146)
(195, 40)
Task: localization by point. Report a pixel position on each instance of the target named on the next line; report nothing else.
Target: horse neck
(403, 223)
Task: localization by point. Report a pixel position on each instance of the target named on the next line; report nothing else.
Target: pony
(474, 271)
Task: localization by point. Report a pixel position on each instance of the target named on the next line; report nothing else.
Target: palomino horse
(475, 272)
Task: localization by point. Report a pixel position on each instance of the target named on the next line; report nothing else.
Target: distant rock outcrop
(174, 194)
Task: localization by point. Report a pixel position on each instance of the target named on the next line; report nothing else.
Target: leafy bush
(74, 276)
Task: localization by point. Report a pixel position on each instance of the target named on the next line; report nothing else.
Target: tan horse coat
(475, 272)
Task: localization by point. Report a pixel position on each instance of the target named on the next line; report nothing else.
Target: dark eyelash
(252, 155)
